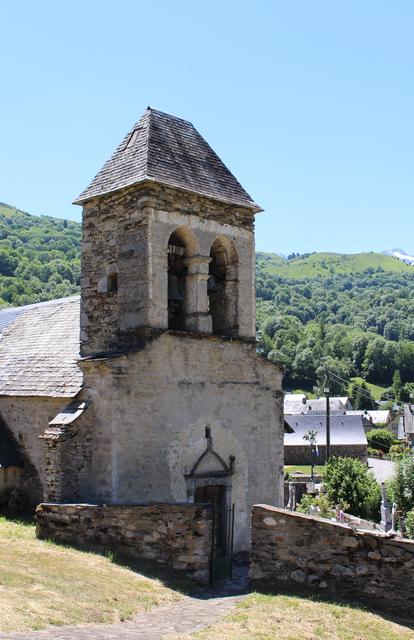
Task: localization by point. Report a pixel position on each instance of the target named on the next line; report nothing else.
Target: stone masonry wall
(127, 233)
(301, 454)
(176, 536)
(67, 459)
(295, 550)
(152, 408)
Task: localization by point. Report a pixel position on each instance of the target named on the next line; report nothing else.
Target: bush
(399, 451)
(409, 524)
(401, 487)
(346, 480)
(375, 452)
(322, 501)
(380, 439)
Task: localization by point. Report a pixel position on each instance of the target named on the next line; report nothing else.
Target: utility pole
(328, 419)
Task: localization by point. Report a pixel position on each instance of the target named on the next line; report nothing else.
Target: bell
(174, 288)
(211, 284)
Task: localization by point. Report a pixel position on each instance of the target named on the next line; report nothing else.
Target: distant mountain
(401, 255)
(353, 313)
(310, 265)
(40, 259)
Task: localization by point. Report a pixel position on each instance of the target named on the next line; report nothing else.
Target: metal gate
(221, 564)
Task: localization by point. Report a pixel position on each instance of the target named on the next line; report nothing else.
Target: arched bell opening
(222, 287)
(181, 246)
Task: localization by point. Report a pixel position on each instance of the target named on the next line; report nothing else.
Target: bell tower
(168, 338)
(168, 242)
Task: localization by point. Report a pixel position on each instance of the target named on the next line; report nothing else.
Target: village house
(161, 397)
(299, 403)
(381, 418)
(347, 438)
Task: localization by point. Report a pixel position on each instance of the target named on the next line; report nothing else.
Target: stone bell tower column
(196, 300)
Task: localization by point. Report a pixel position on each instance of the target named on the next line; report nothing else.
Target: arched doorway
(222, 287)
(210, 482)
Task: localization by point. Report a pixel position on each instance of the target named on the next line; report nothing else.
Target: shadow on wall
(18, 476)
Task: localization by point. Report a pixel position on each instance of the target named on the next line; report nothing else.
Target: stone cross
(291, 505)
(386, 520)
(393, 518)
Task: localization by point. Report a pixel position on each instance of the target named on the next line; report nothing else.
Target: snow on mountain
(401, 255)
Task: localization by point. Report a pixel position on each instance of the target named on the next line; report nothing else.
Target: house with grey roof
(148, 388)
(299, 403)
(347, 438)
(383, 418)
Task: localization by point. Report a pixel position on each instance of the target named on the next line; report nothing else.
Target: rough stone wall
(152, 408)
(177, 536)
(127, 233)
(295, 454)
(67, 459)
(295, 550)
(27, 418)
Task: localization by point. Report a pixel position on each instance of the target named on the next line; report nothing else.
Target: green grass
(281, 617)
(303, 468)
(45, 584)
(325, 264)
(375, 389)
(311, 395)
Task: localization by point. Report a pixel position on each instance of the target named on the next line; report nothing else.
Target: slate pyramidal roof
(167, 150)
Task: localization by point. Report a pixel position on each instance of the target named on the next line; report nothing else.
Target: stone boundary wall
(293, 550)
(300, 454)
(175, 536)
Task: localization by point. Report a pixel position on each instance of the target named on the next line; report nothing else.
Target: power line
(359, 389)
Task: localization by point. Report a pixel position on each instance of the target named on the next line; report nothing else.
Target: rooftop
(170, 151)
(39, 346)
(345, 430)
(298, 403)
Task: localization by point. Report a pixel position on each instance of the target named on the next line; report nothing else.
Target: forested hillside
(39, 257)
(353, 313)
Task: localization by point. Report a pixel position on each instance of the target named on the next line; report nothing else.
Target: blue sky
(310, 104)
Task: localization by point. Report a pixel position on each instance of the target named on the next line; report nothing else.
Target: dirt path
(188, 615)
(185, 616)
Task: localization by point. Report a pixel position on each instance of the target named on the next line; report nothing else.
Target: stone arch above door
(210, 470)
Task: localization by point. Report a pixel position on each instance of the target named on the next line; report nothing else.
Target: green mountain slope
(325, 264)
(352, 313)
(39, 257)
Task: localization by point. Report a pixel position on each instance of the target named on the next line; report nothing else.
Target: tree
(361, 397)
(407, 392)
(347, 481)
(401, 487)
(397, 385)
(380, 439)
(340, 369)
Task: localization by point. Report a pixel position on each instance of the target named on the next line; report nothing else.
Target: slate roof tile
(345, 430)
(39, 346)
(169, 151)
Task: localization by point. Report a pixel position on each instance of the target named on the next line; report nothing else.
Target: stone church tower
(180, 406)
